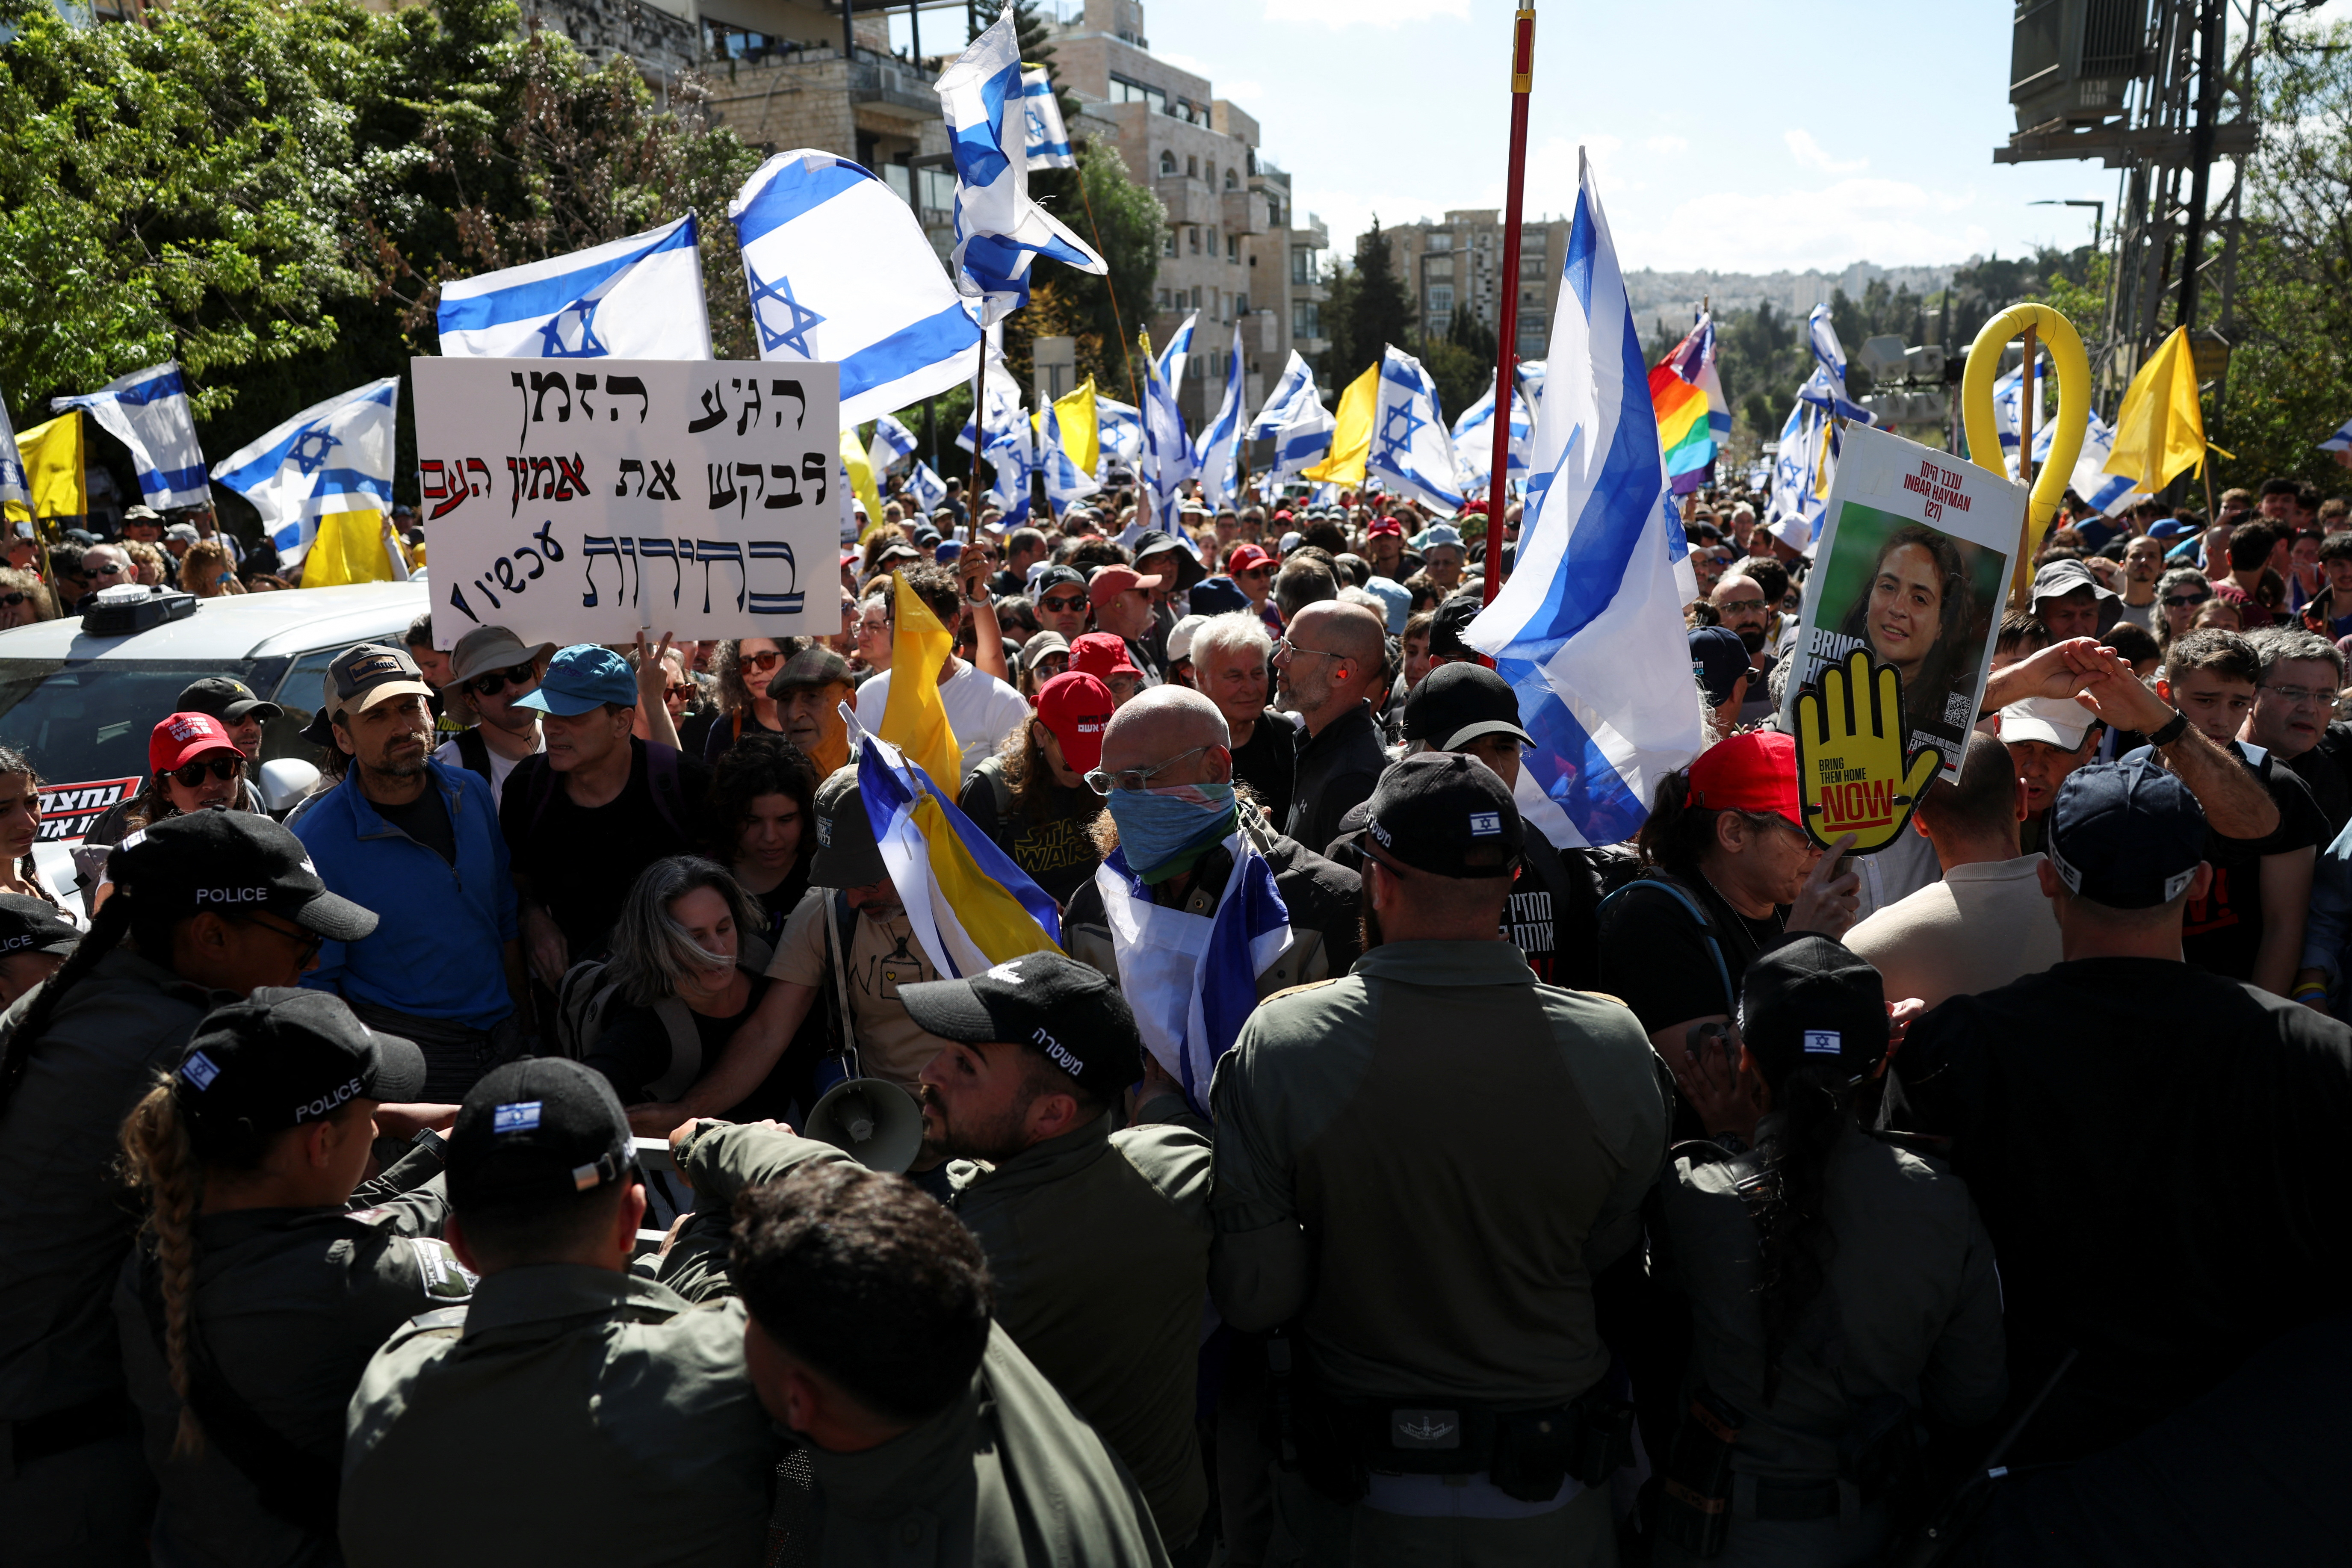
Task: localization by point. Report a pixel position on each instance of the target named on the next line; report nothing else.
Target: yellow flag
(1081, 432)
(349, 549)
(53, 468)
(915, 719)
(861, 479)
(2159, 430)
(1351, 442)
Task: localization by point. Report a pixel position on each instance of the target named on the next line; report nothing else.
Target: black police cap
(1063, 1009)
(1446, 814)
(285, 1057)
(534, 1131)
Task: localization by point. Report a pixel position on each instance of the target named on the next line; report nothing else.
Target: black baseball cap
(1065, 1011)
(1718, 658)
(2126, 835)
(1446, 814)
(1456, 703)
(286, 1056)
(231, 863)
(1808, 1001)
(1448, 622)
(846, 853)
(34, 925)
(225, 700)
(1053, 577)
(536, 1129)
(1159, 542)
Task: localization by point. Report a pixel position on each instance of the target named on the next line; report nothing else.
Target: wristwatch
(2170, 730)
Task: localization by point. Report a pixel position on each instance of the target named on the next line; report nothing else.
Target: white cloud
(1365, 13)
(1809, 154)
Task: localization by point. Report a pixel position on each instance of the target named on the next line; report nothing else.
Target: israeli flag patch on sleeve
(1822, 1042)
(521, 1117)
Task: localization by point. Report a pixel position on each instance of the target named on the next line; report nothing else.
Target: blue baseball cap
(1718, 658)
(583, 677)
(1437, 534)
(947, 552)
(2170, 528)
(2126, 835)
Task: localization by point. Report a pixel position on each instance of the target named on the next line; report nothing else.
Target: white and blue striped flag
(2341, 441)
(923, 483)
(13, 487)
(1295, 420)
(839, 270)
(334, 456)
(1412, 452)
(1119, 433)
(1217, 455)
(1011, 454)
(1167, 455)
(1588, 628)
(637, 298)
(1045, 138)
(148, 412)
(893, 444)
(999, 230)
(2108, 493)
(1177, 353)
(1473, 442)
(1192, 979)
(1066, 484)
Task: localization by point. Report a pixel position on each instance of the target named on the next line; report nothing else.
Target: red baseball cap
(1075, 707)
(1282, 517)
(1246, 558)
(1101, 656)
(1385, 525)
(181, 738)
(1110, 582)
(1754, 772)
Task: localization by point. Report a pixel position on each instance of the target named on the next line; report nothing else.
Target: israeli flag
(2341, 441)
(839, 270)
(999, 230)
(999, 400)
(1588, 627)
(2109, 493)
(148, 412)
(1047, 142)
(1821, 333)
(1066, 484)
(1167, 453)
(13, 487)
(929, 491)
(893, 444)
(639, 298)
(1012, 458)
(1177, 353)
(1118, 432)
(1473, 442)
(1412, 452)
(1295, 420)
(1216, 456)
(332, 456)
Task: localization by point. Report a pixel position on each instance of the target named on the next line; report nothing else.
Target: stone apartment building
(1460, 260)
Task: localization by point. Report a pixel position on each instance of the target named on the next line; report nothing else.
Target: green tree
(1467, 329)
(1375, 310)
(1462, 377)
(1123, 220)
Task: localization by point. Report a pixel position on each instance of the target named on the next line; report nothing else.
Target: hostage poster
(1912, 564)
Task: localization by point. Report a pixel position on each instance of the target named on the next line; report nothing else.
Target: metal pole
(1523, 70)
(979, 439)
(2200, 151)
(915, 32)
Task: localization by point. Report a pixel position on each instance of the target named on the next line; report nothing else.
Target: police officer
(1421, 1167)
(205, 908)
(1835, 1280)
(246, 1320)
(573, 1413)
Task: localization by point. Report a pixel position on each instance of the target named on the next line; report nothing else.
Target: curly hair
(727, 666)
(758, 763)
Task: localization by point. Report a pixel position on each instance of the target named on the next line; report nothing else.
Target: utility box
(1053, 361)
(2070, 60)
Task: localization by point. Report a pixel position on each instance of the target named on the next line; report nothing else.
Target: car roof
(236, 626)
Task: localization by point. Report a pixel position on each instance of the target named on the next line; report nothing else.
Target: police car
(79, 694)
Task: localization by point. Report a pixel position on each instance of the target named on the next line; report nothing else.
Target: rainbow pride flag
(1687, 396)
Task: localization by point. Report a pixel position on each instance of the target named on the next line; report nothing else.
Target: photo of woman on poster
(1914, 611)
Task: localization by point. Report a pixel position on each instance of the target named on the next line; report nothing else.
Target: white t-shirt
(981, 710)
(446, 754)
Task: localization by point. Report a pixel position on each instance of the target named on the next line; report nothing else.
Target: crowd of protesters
(1365, 1177)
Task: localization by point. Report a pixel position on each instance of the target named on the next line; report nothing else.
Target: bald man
(1326, 671)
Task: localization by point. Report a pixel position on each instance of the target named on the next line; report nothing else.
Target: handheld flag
(1166, 450)
(1351, 434)
(1411, 451)
(1068, 482)
(893, 444)
(638, 298)
(1473, 442)
(838, 270)
(1045, 142)
(2341, 441)
(914, 717)
(347, 547)
(54, 475)
(1686, 393)
(333, 456)
(1080, 419)
(999, 230)
(1588, 628)
(148, 412)
(14, 498)
(929, 491)
(1295, 420)
(860, 473)
(1119, 428)
(1216, 456)
(2159, 429)
(1177, 355)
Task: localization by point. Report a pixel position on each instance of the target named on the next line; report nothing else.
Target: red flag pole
(1523, 70)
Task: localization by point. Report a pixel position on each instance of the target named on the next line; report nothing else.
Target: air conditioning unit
(2070, 60)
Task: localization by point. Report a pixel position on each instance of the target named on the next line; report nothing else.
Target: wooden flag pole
(1523, 68)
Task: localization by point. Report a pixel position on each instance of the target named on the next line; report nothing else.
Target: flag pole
(979, 439)
(1523, 68)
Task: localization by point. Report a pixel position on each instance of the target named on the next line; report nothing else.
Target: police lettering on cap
(1065, 1011)
(285, 1057)
(1446, 814)
(34, 925)
(537, 1131)
(230, 863)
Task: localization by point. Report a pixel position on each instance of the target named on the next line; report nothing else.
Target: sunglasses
(675, 693)
(2185, 601)
(766, 660)
(191, 774)
(497, 680)
(311, 940)
(1062, 606)
(11, 600)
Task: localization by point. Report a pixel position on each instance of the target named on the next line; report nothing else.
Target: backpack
(585, 998)
(474, 753)
(1660, 882)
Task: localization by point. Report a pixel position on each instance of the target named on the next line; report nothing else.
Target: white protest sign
(1912, 563)
(585, 502)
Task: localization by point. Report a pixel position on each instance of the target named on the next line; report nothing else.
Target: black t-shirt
(1654, 958)
(1268, 763)
(2328, 769)
(1553, 916)
(580, 863)
(634, 1050)
(2154, 1150)
(2223, 932)
(1057, 851)
(424, 819)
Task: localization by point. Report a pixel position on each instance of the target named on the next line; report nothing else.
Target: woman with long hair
(764, 808)
(744, 666)
(1913, 614)
(197, 767)
(688, 968)
(20, 826)
(208, 571)
(24, 598)
(1836, 1281)
(258, 1297)
(2180, 595)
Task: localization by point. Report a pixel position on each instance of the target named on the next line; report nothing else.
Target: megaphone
(872, 1120)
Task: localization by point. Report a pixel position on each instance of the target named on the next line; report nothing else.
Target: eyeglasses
(2185, 601)
(1063, 605)
(191, 774)
(1103, 782)
(497, 680)
(678, 693)
(2295, 696)
(1735, 607)
(106, 569)
(311, 941)
(766, 660)
(11, 600)
(1285, 646)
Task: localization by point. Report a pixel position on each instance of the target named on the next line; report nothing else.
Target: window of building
(1273, 213)
(1533, 265)
(1441, 302)
(1163, 303)
(1196, 297)
(1208, 173)
(937, 189)
(1167, 243)
(1241, 304)
(1124, 91)
(1194, 235)
(1305, 320)
(1438, 267)
(1234, 248)
(1167, 164)
(1442, 240)
(1302, 265)
(1191, 168)
(1232, 181)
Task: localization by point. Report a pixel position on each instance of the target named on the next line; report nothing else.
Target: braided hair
(1813, 1108)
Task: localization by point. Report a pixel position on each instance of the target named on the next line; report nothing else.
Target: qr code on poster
(1959, 709)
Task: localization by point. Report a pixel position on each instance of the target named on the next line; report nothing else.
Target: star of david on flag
(333, 456)
(783, 321)
(1411, 451)
(637, 298)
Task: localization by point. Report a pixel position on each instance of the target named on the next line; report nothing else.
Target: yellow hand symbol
(1851, 765)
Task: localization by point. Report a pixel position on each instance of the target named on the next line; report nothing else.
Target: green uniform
(73, 1488)
(1097, 1246)
(1911, 1307)
(1423, 1166)
(572, 1414)
(290, 1304)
